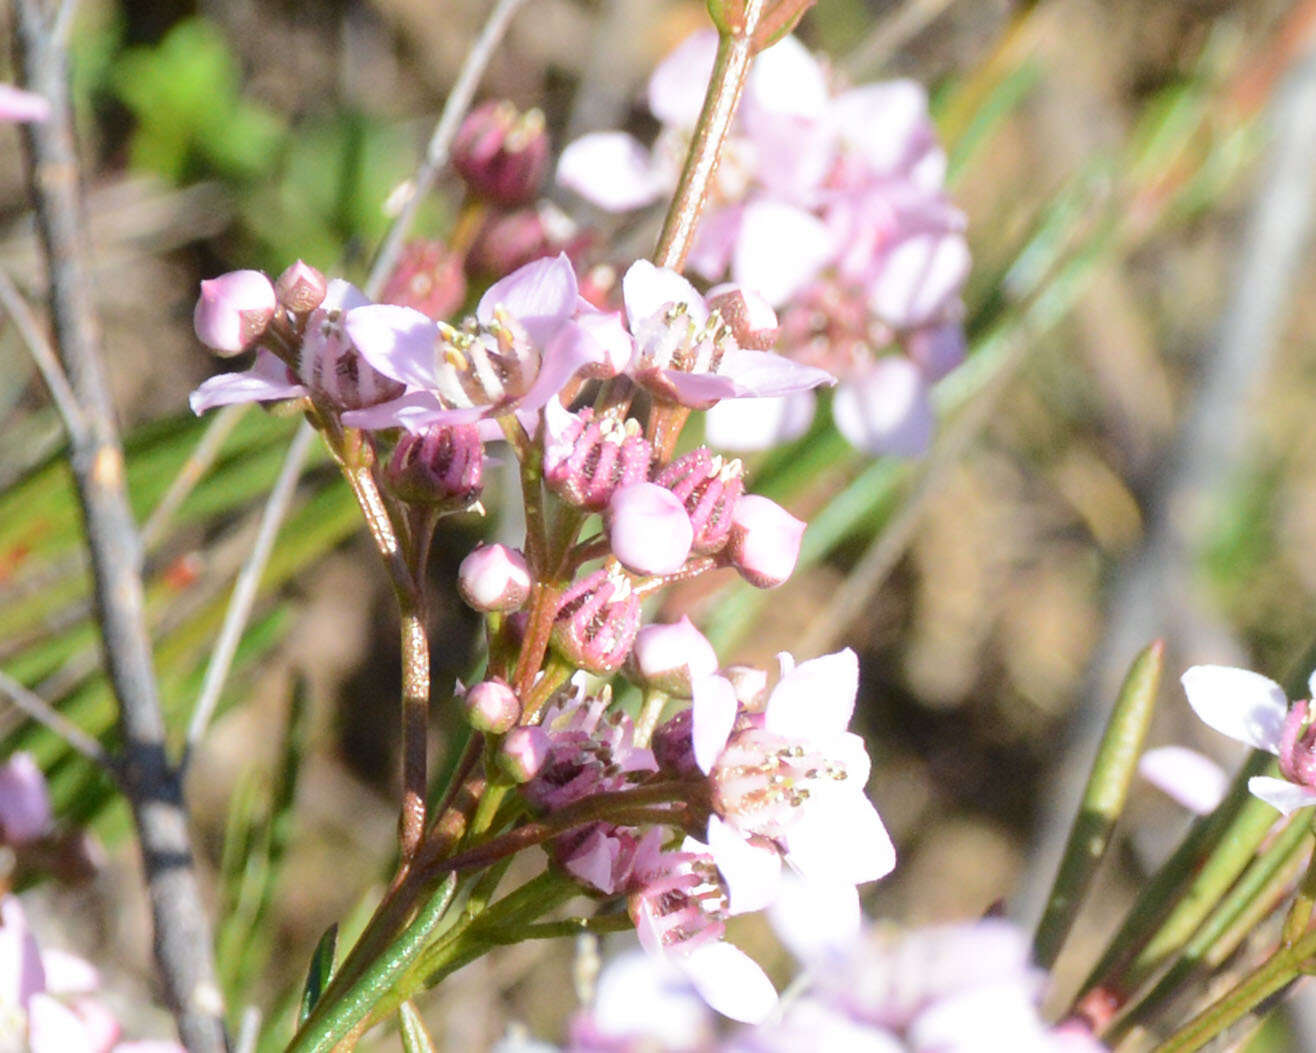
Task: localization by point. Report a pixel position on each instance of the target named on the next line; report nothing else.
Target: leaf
(320, 972)
(415, 1039)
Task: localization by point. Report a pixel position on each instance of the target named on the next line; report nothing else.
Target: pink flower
(649, 529)
(494, 578)
(1254, 710)
(233, 311)
(25, 813)
(789, 783)
(1193, 780)
(669, 657)
(517, 352)
(639, 1001)
(679, 910)
(22, 106)
(685, 354)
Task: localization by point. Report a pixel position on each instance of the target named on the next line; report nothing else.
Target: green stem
(1103, 801)
(1299, 915)
(331, 1022)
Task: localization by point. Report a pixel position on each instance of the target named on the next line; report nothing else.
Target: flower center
(763, 781)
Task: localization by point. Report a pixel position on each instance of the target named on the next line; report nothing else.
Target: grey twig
(245, 589)
(440, 145)
(436, 156)
(183, 941)
(38, 709)
(29, 331)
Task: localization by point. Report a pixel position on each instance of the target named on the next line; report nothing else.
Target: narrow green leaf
(415, 1039)
(320, 973)
(1103, 801)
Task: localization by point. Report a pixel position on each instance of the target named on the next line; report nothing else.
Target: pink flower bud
(502, 153)
(428, 278)
(668, 657)
(523, 752)
(494, 578)
(233, 311)
(748, 315)
(442, 466)
(586, 461)
(709, 488)
(597, 621)
(765, 541)
(649, 529)
(673, 745)
(492, 706)
(301, 288)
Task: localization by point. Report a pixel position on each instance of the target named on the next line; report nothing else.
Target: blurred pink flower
(1190, 778)
(25, 813)
(22, 106)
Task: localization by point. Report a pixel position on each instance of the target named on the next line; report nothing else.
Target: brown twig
(183, 942)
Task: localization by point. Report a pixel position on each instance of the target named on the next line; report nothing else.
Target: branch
(29, 331)
(183, 940)
(38, 709)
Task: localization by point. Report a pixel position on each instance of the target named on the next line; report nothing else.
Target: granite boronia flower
(531, 333)
(21, 106)
(1254, 710)
(788, 783)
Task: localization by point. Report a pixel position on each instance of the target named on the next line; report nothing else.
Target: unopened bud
(649, 529)
(523, 752)
(708, 487)
(587, 461)
(233, 311)
(492, 706)
(301, 288)
(765, 541)
(330, 365)
(441, 466)
(494, 578)
(668, 657)
(748, 315)
(502, 153)
(673, 745)
(597, 621)
(428, 278)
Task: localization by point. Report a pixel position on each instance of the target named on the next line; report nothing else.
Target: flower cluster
(853, 182)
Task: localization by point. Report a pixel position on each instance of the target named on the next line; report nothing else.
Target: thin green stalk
(1299, 915)
(1103, 801)
(331, 1022)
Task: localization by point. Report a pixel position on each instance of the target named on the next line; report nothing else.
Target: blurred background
(1127, 453)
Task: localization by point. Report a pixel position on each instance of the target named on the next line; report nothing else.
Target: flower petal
(22, 106)
(1190, 778)
(758, 423)
(268, 379)
(647, 289)
(415, 411)
(678, 83)
(779, 250)
(846, 841)
(399, 342)
(764, 374)
(713, 712)
(918, 278)
(541, 296)
(1285, 796)
(816, 919)
(54, 1028)
(1239, 703)
(25, 812)
(611, 170)
(730, 981)
(752, 872)
(815, 700)
(886, 409)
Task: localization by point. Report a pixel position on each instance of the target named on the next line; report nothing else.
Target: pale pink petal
(713, 712)
(1311, 685)
(786, 81)
(149, 1046)
(993, 1016)
(647, 998)
(1281, 794)
(764, 374)
(399, 342)
(846, 841)
(647, 289)
(613, 345)
(102, 1027)
(541, 296)
(918, 278)
(67, 974)
(1239, 703)
(1194, 780)
(815, 699)
(887, 123)
(758, 424)
(752, 872)
(886, 409)
(54, 1028)
(21, 971)
(678, 84)
(730, 981)
(937, 349)
(267, 380)
(611, 170)
(568, 351)
(593, 862)
(780, 249)
(22, 106)
(715, 241)
(816, 919)
(415, 411)
(25, 813)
